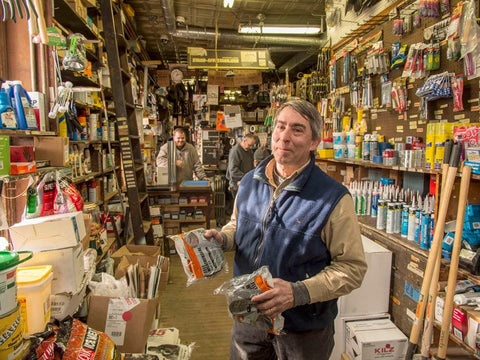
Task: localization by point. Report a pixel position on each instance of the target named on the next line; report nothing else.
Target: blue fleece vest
(286, 234)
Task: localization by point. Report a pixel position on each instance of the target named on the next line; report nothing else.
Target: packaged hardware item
(239, 292)
(201, 258)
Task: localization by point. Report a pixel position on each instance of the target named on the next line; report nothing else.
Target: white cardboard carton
(373, 296)
(49, 232)
(375, 339)
(67, 265)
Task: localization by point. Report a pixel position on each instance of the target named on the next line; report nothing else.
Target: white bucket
(9, 261)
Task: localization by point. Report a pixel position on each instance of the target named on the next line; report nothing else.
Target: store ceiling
(157, 19)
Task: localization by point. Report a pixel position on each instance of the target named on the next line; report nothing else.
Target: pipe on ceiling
(228, 36)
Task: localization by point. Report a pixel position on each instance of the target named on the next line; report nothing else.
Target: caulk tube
(405, 216)
(375, 198)
(468, 298)
(411, 221)
(368, 205)
(382, 214)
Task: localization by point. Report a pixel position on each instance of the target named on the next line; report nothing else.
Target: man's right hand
(215, 235)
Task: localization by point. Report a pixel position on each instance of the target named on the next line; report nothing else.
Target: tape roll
(253, 128)
(232, 141)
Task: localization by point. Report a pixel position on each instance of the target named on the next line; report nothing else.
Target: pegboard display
(397, 125)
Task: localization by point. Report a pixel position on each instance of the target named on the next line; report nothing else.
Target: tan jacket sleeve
(228, 231)
(348, 267)
(162, 157)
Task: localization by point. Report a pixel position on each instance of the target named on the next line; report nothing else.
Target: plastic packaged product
(7, 115)
(240, 290)
(201, 258)
(23, 107)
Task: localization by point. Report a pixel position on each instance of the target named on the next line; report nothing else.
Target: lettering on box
(414, 269)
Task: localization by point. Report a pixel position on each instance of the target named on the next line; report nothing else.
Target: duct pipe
(204, 34)
(169, 15)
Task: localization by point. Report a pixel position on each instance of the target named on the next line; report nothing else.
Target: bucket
(12, 346)
(8, 286)
(34, 290)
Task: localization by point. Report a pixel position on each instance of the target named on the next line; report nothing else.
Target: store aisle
(200, 316)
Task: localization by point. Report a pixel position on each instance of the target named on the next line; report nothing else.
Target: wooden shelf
(108, 245)
(78, 79)
(85, 178)
(109, 196)
(185, 205)
(26, 132)
(66, 15)
(369, 164)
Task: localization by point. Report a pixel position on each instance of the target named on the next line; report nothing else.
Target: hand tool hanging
(435, 251)
(452, 274)
(432, 295)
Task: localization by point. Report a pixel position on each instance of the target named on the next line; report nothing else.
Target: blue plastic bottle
(7, 114)
(23, 107)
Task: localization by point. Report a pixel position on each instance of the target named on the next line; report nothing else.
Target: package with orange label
(201, 258)
(240, 290)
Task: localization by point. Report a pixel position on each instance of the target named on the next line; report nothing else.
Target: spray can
(405, 216)
(366, 148)
(382, 214)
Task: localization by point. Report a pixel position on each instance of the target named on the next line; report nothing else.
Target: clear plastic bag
(201, 258)
(239, 292)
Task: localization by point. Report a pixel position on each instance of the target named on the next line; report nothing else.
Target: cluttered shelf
(370, 164)
(65, 14)
(108, 245)
(26, 132)
(185, 221)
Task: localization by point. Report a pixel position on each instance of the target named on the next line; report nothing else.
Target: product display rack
(126, 119)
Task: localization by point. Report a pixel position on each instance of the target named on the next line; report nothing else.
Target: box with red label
(467, 134)
(21, 154)
(202, 199)
(375, 339)
(19, 168)
(459, 323)
(108, 223)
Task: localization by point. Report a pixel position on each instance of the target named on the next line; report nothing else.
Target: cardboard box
(53, 148)
(48, 232)
(64, 305)
(67, 267)
(375, 339)
(20, 168)
(127, 321)
(373, 296)
(144, 261)
(21, 154)
(340, 326)
(40, 107)
(135, 250)
(4, 155)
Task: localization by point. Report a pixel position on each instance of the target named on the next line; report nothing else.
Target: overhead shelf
(67, 16)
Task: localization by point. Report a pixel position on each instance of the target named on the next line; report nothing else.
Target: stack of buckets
(24, 302)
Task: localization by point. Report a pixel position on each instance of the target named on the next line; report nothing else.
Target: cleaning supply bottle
(7, 114)
(23, 107)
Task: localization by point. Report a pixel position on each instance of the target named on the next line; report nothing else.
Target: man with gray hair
(240, 161)
(301, 223)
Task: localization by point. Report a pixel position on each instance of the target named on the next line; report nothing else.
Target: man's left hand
(275, 301)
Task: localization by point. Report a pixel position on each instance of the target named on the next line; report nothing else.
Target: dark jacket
(286, 234)
(240, 161)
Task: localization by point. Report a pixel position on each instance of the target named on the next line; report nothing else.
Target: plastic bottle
(7, 114)
(23, 107)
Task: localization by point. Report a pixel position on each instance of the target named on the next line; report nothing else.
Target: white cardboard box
(340, 324)
(49, 232)
(373, 296)
(375, 339)
(38, 102)
(68, 267)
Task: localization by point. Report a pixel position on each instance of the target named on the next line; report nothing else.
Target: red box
(23, 168)
(459, 323)
(202, 199)
(21, 154)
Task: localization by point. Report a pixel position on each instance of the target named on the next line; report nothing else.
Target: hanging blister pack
(239, 292)
(201, 258)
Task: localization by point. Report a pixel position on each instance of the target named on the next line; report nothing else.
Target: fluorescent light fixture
(280, 29)
(228, 3)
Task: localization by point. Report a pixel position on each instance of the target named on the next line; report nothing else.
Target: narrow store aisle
(198, 314)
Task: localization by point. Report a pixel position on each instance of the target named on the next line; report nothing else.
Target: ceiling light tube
(280, 29)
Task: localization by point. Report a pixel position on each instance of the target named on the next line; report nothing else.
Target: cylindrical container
(350, 138)
(366, 148)
(9, 260)
(12, 346)
(82, 119)
(468, 298)
(375, 198)
(339, 151)
(351, 151)
(93, 123)
(373, 146)
(390, 218)
(358, 146)
(339, 138)
(92, 191)
(404, 227)
(411, 223)
(382, 214)
(104, 132)
(418, 215)
(397, 225)
(34, 291)
(425, 231)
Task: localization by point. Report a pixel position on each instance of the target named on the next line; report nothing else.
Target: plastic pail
(12, 346)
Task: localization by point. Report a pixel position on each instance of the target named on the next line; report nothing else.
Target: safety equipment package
(240, 290)
(201, 258)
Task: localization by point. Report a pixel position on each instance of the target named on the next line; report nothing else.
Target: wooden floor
(199, 315)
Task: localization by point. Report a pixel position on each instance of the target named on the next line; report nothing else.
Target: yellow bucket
(33, 293)
(12, 346)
